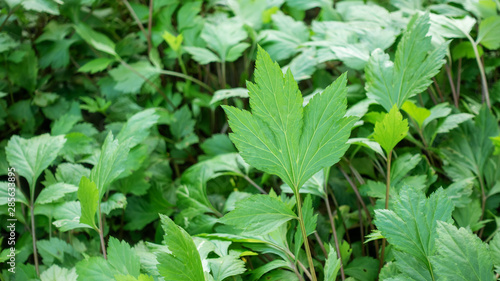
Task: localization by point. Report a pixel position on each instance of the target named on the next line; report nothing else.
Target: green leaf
(202, 55)
(391, 130)
(96, 39)
(127, 81)
(225, 266)
(182, 128)
(283, 138)
(452, 121)
(137, 128)
(174, 42)
(411, 226)
(223, 36)
(393, 83)
(461, 255)
(110, 165)
(58, 250)
(489, 33)
(182, 262)
(89, 200)
(257, 273)
(363, 268)
(43, 6)
(54, 192)
(123, 258)
(419, 114)
(223, 94)
(218, 144)
(31, 156)
(94, 269)
(56, 273)
(259, 214)
(96, 65)
(332, 265)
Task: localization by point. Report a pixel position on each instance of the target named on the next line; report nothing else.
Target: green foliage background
(250, 139)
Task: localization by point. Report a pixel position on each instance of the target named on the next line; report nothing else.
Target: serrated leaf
(223, 94)
(411, 226)
(95, 269)
(137, 128)
(283, 138)
(54, 192)
(182, 262)
(56, 273)
(259, 214)
(391, 130)
(110, 165)
(226, 266)
(332, 265)
(174, 42)
(452, 121)
(461, 255)
(127, 80)
(393, 83)
(31, 156)
(223, 36)
(122, 258)
(202, 55)
(88, 195)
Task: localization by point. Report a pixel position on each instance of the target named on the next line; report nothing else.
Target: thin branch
(452, 85)
(187, 77)
(150, 24)
(254, 184)
(138, 21)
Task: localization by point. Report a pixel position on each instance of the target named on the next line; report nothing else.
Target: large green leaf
(182, 262)
(110, 165)
(411, 226)
(283, 138)
(31, 156)
(259, 214)
(461, 255)
(122, 258)
(391, 130)
(89, 201)
(393, 83)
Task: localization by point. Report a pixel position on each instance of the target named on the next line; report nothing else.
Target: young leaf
(89, 201)
(95, 269)
(391, 130)
(407, 229)
(283, 138)
(174, 42)
(332, 265)
(31, 156)
(259, 214)
(225, 266)
(461, 255)
(419, 114)
(56, 273)
(182, 262)
(393, 83)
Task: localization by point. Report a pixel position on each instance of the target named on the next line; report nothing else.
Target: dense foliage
(364, 146)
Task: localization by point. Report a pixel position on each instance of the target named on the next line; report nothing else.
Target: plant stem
(304, 235)
(334, 230)
(254, 184)
(387, 187)
(452, 85)
(150, 24)
(187, 77)
(484, 83)
(459, 77)
(101, 234)
(33, 236)
(139, 23)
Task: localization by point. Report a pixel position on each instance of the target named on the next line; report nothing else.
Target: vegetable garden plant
(366, 147)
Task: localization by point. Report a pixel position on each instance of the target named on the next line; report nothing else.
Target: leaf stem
(247, 178)
(139, 23)
(304, 235)
(150, 24)
(33, 236)
(187, 77)
(484, 83)
(101, 234)
(387, 187)
(452, 85)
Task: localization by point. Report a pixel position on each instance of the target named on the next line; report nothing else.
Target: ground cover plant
(249, 140)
